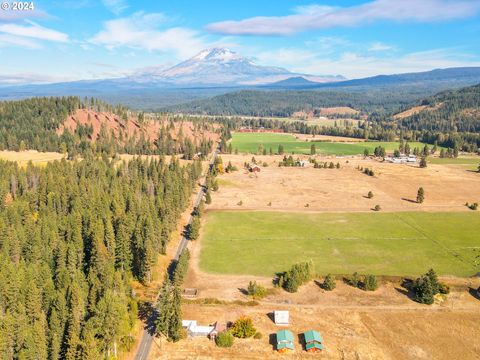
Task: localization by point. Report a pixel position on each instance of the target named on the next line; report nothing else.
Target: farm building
(253, 168)
(194, 330)
(313, 341)
(281, 317)
(401, 159)
(285, 341)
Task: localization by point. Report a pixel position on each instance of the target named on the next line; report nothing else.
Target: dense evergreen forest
(73, 234)
(285, 103)
(32, 124)
(456, 110)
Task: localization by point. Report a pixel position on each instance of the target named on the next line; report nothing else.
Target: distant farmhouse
(402, 159)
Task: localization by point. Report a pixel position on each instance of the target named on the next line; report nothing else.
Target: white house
(194, 329)
(281, 317)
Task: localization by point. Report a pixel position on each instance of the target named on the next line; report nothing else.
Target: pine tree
(420, 195)
(329, 283)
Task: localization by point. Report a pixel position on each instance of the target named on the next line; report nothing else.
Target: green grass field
(403, 243)
(249, 143)
(471, 163)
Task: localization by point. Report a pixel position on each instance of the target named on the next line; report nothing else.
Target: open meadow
(263, 243)
(447, 186)
(36, 157)
(250, 142)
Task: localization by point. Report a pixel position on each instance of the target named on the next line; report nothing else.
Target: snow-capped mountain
(222, 67)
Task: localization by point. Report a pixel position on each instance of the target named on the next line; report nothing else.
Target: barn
(313, 341)
(285, 341)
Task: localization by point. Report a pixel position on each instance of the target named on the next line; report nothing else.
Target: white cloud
(141, 31)
(30, 78)
(357, 65)
(11, 40)
(115, 6)
(378, 46)
(322, 17)
(33, 31)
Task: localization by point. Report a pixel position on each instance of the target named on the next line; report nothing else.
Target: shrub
(370, 195)
(258, 335)
(256, 291)
(354, 280)
(243, 328)
(224, 339)
(370, 283)
(443, 288)
(329, 283)
(240, 203)
(377, 208)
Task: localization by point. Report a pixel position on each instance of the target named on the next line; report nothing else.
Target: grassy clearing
(250, 142)
(24, 157)
(262, 243)
(471, 162)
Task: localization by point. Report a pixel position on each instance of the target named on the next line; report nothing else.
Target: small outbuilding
(313, 341)
(285, 341)
(281, 317)
(254, 168)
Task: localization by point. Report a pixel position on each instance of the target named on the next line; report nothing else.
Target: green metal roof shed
(284, 336)
(312, 336)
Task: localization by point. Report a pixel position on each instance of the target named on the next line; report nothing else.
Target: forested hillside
(285, 103)
(456, 110)
(72, 237)
(57, 124)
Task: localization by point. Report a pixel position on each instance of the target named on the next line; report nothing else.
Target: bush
(377, 208)
(258, 335)
(370, 283)
(243, 328)
(354, 280)
(443, 288)
(329, 283)
(224, 339)
(256, 291)
(370, 195)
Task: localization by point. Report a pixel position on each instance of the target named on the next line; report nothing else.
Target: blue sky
(88, 39)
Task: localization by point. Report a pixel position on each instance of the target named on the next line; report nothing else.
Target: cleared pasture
(403, 243)
(250, 143)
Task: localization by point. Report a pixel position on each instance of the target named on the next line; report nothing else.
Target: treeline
(33, 124)
(72, 237)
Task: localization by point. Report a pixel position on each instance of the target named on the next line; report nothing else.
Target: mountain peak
(222, 54)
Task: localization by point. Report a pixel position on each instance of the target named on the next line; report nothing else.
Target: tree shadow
(272, 340)
(148, 314)
(409, 200)
(406, 288)
(243, 291)
(474, 292)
